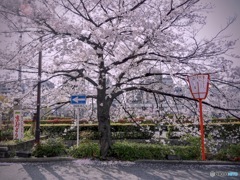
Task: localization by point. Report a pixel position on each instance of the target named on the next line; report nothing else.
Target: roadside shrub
(85, 150)
(49, 148)
(6, 134)
(231, 152)
(194, 152)
(234, 150)
(192, 140)
(130, 151)
(134, 151)
(187, 152)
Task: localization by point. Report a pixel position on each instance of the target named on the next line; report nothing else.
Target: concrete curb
(189, 162)
(34, 159)
(56, 159)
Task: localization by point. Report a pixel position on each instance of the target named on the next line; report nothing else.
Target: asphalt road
(89, 169)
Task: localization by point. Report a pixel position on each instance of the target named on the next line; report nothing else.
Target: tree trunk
(104, 130)
(103, 110)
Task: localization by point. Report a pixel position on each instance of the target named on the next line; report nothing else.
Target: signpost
(78, 100)
(18, 129)
(199, 85)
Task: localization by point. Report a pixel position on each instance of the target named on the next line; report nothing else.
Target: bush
(192, 140)
(85, 150)
(134, 151)
(130, 151)
(6, 134)
(187, 152)
(49, 148)
(231, 152)
(234, 150)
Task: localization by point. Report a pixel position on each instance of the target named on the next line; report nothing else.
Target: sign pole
(202, 130)
(78, 111)
(77, 100)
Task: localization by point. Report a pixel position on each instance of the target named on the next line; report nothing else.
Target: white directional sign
(78, 99)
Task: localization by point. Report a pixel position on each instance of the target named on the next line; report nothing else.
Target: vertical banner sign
(199, 85)
(18, 129)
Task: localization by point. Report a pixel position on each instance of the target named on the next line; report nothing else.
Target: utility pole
(20, 68)
(37, 133)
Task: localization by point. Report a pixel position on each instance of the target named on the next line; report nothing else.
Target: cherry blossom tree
(115, 47)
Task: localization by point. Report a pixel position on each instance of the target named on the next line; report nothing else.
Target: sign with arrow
(78, 99)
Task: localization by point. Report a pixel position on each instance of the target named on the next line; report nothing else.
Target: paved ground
(88, 169)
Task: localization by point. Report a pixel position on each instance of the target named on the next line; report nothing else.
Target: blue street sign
(78, 99)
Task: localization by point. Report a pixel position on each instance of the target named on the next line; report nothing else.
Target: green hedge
(119, 131)
(134, 151)
(130, 151)
(56, 117)
(54, 121)
(90, 131)
(221, 120)
(52, 130)
(225, 130)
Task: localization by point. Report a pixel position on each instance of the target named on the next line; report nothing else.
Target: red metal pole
(202, 130)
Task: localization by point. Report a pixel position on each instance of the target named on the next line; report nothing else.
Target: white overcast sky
(218, 18)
